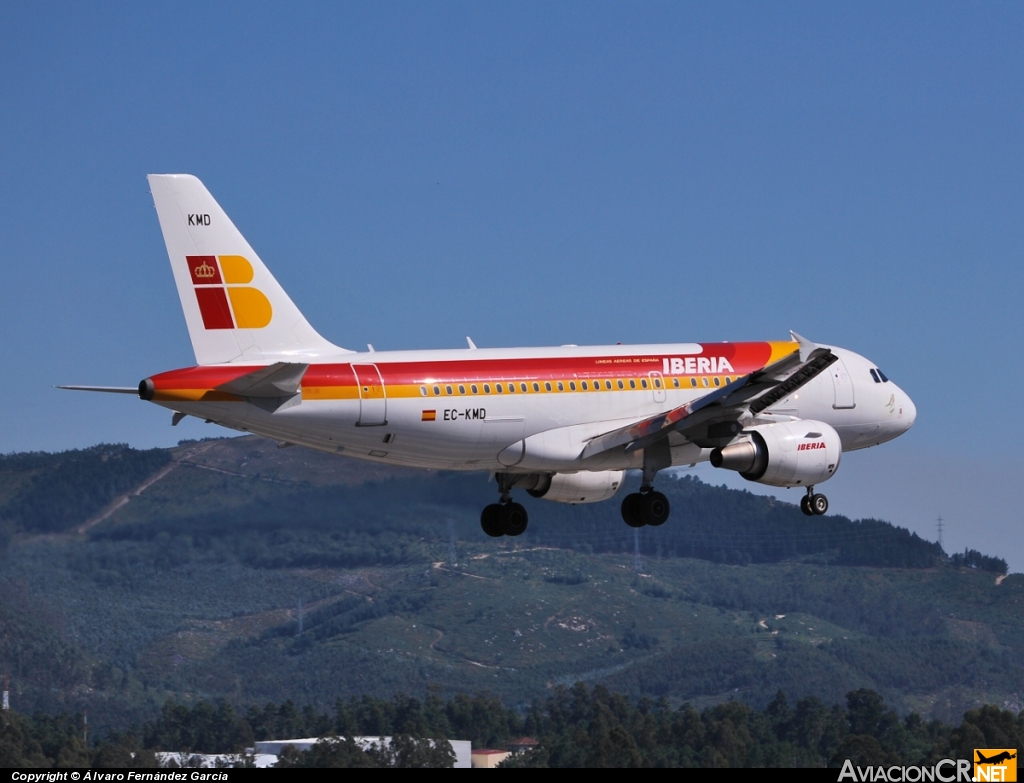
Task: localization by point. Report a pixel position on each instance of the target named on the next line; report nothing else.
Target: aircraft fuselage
(523, 410)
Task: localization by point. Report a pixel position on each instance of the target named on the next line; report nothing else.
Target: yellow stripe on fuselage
(407, 391)
(781, 349)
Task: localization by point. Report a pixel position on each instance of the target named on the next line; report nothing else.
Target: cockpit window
(874, 375)
(882, 376)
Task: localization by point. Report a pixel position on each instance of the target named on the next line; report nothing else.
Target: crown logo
(204, 270)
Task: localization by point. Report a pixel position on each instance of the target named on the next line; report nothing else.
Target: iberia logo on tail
(225, 301)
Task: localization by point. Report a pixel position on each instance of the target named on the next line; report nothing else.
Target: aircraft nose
(909, 411)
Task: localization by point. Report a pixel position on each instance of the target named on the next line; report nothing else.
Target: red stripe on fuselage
(744, 358)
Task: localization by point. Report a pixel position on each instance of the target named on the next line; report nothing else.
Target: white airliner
(562, 423)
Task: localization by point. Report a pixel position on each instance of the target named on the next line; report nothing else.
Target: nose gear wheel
(812, 504)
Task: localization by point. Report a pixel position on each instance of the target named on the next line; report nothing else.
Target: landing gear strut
(504, 518)
(813, 505)
(648, 506)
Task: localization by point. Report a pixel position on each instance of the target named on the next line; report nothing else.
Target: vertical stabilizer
(234, 308)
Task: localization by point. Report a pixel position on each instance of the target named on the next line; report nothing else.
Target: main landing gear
(813, 505)
(646, 507)
(506, 517)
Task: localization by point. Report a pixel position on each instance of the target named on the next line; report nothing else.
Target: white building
(463, 749)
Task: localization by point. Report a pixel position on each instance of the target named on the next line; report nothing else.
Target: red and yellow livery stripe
(337, 381)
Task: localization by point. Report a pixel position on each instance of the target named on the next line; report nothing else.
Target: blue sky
(537, 174)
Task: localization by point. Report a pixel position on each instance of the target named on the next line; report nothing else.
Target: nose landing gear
(813, 505)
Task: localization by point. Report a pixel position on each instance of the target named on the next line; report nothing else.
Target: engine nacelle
(787, 454)
(583, 487)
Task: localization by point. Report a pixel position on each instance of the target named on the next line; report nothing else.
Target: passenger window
(632, 383)
(448, 389)
(657, 383)
(487, 388)
(675, 382)
(572, 385)
(473, 389)
(497, 388)
(693, 382)
(522, 388)
(705, 381)
(547, 386)
(511, 388)
(728, 380)
(620, 384)
(643, 382)
(536, 386)
(423, 391)
(437, 390)
(584, 385)
(462, 389)
(718, 381)
(561, 386)
(608, 385)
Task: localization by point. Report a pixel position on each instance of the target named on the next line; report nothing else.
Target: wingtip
(806, 346)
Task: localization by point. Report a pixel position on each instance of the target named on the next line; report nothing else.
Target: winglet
(806, 346)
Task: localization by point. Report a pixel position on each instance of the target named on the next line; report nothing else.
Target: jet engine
(582, 487)
(786, 454)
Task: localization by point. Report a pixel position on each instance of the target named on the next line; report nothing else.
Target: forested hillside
(232, 569)
(573, 727)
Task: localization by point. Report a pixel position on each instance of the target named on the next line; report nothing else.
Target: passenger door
(843, 384)
(373, 401)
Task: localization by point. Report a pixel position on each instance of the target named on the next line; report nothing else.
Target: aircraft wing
(750, 394)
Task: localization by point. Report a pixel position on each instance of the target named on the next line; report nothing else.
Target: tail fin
(234, 308)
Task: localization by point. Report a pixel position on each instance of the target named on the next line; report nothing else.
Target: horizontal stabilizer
(109, 389)
(281, 379)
